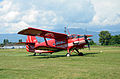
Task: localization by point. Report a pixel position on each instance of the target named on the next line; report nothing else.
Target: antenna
(86, 30)
(68, 32)
(65, 30)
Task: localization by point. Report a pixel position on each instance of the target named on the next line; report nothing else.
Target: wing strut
(45, 41)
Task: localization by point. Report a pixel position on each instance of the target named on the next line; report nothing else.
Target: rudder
(31, 41)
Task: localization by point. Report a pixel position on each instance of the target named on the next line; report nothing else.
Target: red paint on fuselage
(68, 45)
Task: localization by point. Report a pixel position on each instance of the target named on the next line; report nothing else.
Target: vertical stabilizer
(31, 41)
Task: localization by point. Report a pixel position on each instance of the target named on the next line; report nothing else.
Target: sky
(95, 15)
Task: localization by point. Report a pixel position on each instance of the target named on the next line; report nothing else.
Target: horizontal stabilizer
(24, 43)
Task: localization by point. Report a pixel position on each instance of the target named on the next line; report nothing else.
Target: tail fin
(31, 41)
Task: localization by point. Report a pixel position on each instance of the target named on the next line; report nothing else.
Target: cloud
(55, 14)
(16, 27)
(9, 17)
(107, 12)
(78, 11)
(42, 14)
(13, 27)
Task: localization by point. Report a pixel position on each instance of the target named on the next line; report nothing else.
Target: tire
(67, 54)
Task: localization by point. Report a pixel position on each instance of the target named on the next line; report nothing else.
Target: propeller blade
(86, 40)
(88, 45)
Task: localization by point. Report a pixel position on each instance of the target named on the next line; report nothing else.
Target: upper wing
(86, 35)
(89, 35)
(42, 33)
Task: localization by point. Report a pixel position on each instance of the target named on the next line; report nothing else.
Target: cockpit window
(79, 36)
(72, 36)
(75, 36)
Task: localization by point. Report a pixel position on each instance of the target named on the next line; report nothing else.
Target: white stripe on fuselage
(80, 42)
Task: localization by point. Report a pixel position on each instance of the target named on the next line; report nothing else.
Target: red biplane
(57, 42)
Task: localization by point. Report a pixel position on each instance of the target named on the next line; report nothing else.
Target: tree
(20, 40)
(1, 45)
(5, 41)
(105, 37)
(115, 39)
(92, 42)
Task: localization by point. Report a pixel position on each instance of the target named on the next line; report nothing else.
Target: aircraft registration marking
(60, 42)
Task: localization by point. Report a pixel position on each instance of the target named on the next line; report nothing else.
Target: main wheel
(80, 54)
(67, 54)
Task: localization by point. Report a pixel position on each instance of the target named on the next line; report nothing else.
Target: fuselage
(71, 42)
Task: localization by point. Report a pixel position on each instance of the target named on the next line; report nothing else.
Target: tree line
(105, 38)
(6, 42)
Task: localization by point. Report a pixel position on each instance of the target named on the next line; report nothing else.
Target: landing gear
(72, 50)
(34, 54)
(68, 54)
(79, 53)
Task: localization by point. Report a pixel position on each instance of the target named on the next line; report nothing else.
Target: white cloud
(107, 12)
(46, 27)
(30, 16)
(9, 17)
(16, 27)
(6, 5)
(48, 14)
(13, 27)
(43, 14)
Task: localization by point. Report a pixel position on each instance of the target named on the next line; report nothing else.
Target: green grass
(17, 64)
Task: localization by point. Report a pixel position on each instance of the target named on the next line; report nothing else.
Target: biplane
(57, 41)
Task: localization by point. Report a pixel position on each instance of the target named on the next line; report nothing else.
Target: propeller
(86, 40)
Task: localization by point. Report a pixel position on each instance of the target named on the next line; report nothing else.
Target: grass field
(16, 64)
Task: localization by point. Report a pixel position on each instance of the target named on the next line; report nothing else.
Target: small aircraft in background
(56, 42)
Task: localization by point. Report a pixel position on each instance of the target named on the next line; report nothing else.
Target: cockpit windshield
(75, 36)
(79, 36)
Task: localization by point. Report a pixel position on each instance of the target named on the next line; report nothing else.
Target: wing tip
(21, 32)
